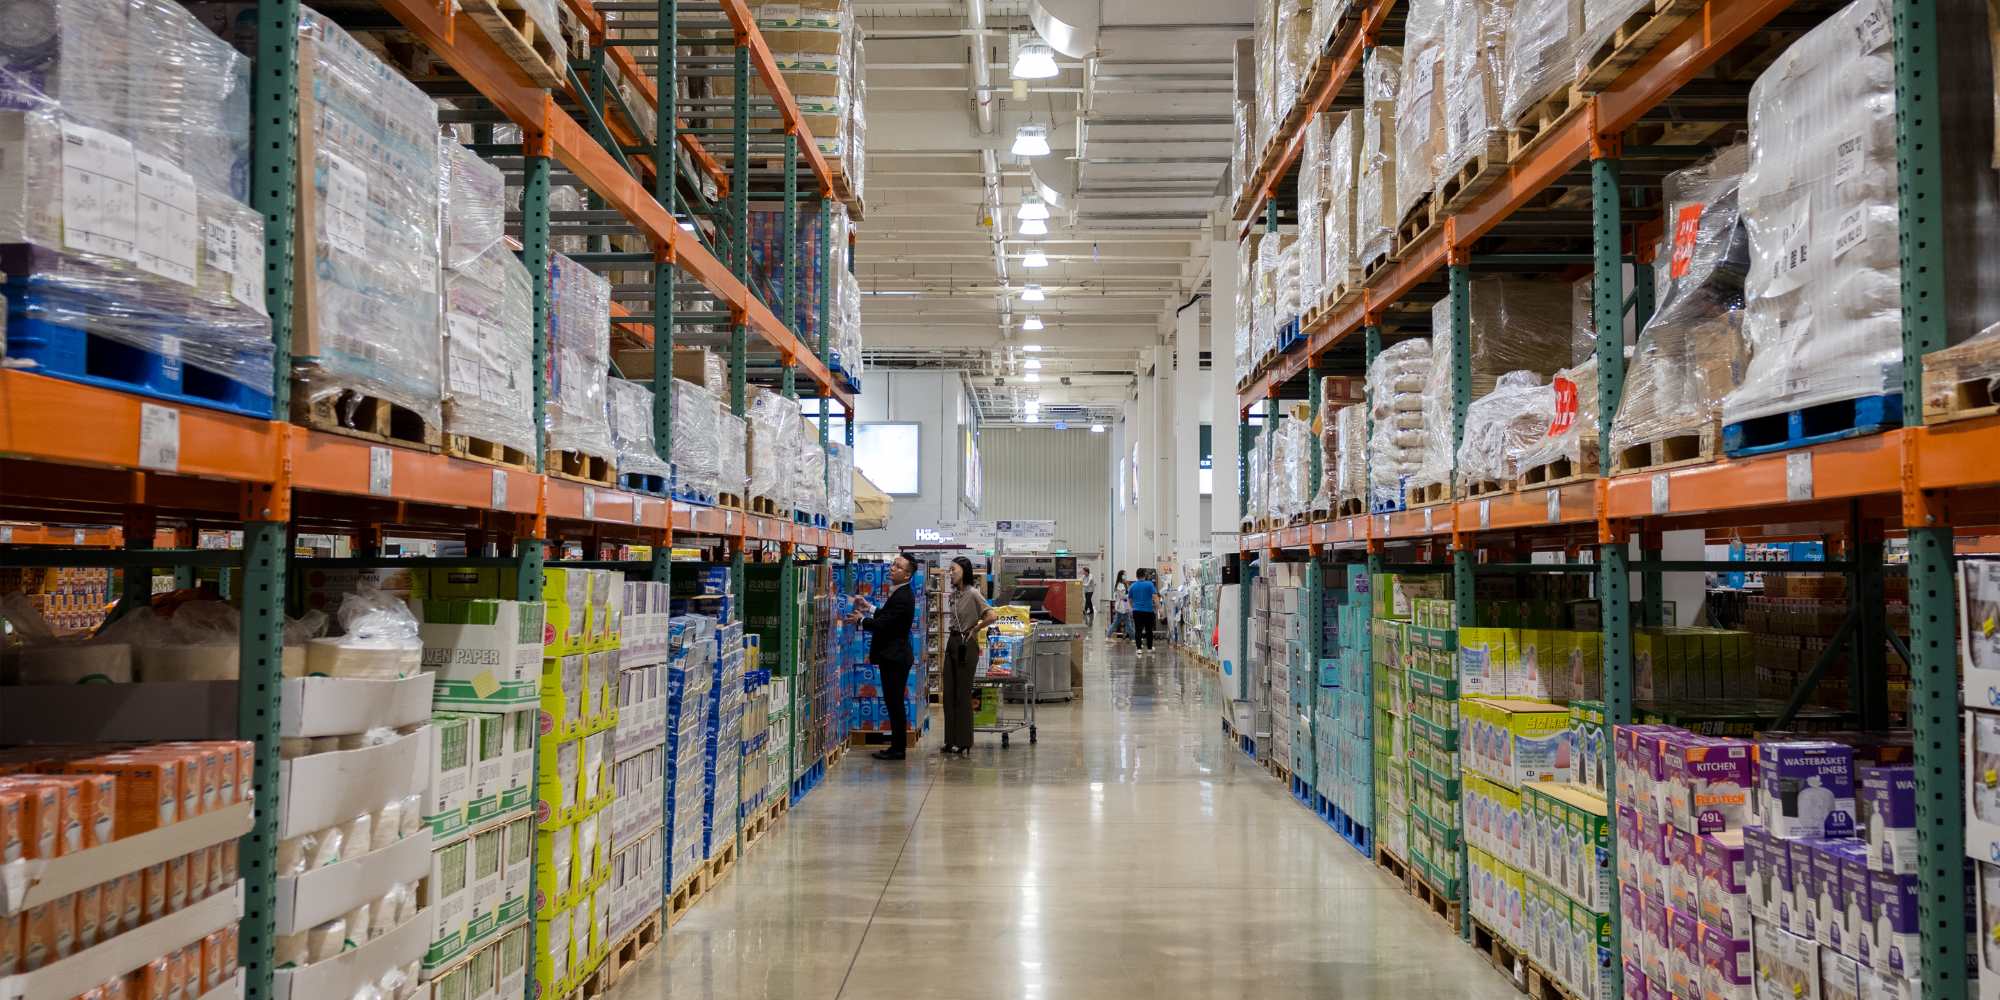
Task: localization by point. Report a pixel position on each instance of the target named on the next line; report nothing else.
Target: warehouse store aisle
(1131, 853)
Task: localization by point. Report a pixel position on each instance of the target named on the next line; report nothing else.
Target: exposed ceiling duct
(1068, 25)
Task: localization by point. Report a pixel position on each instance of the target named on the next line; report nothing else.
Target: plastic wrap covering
(840, 475)
(1375, 213)
(1502, 425)
(1420, 107)
(1396, 405)
(1475, 41)
(1583, 319)
(1264, 304)
(1294, 31)
(1326, 434)
(1337, 224)
(1541, 36)
(367, 297)
(697, 438)
(1246, 305)
(1278, 498)
(472, 203)
(1326, 16)
(1598, 20)
(1257, 502)
(1692, 351)
(1514, 326)
(154, 264)
(1312, 204)
(770, 416)
(1352, 429)
(805, 470)
(489, 348)
(632, 429)
(732, 466)
(1288, 289)
(1264, 35)
(1824, 307)
(147, 71)
(579, 359)
(1572, 427)
(1300, 445)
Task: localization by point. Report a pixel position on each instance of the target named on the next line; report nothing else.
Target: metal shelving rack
(1920, 481)
(271, 478)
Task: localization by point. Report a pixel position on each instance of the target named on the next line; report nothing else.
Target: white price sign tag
(381, 471)
(499, 489)
(1427, 519)
(6, 533)
(1660, 493)
(638, 511)
(1799, 476)
(1555, 501)
(1485, 514)
(159, 438)
(589, 504)
(81, 536)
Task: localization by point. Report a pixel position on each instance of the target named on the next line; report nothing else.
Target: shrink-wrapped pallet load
(1514, 325)
(580, 359)
(1376, 208)
(1823, 306)
(1539, 60)
(697, 439)
(1420, 108)
(1352, 429)
(1471, 73)
(1340, 268)
(1692, 351)
(489, 311)
(1246, 305)
(1396, 381)
(632, 430)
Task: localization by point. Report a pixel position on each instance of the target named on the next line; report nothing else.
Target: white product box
(1979, 623)
(448, 774)
(305, 901)
(336, 786)
(489, 658)
(447, 896)
(337, 706)
(511, 963)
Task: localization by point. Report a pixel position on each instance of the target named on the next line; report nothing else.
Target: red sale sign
(1565, 417)
(1687, 226)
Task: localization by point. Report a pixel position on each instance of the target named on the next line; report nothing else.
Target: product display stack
(1388, 649)
(484, 657)
(573, 774)
(722, 738)
(639, 759)
(1433, 782)
(690, 672)
(1346, 721)
(867, 710)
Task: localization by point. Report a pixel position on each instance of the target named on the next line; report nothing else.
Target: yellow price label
(1986, 627)
(484, 685)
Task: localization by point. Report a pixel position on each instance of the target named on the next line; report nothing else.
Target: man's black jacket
(889, 629)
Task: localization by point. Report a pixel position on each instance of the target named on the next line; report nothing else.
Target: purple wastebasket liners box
(1805, 788)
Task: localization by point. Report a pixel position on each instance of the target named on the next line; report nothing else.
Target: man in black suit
(889, 644)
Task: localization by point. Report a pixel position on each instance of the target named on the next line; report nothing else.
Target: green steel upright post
(258, 683)
(1465, 608)
(1934, 710)
(535, 256)
(274, 123)
(1652, 582)
(666, 160)
(1246, 436)
(1613, 577)
(830, 257)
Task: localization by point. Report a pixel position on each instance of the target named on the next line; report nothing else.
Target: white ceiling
(1153, 102)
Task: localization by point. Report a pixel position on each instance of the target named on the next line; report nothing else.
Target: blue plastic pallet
(696, 497)
(1357, 836)
(1302, 793)
(1812, 425)
(1290, 336)
(81, 356)
(649, 483)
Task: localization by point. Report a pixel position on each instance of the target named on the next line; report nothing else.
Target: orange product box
(153, 899)
(187, 764)
(206, 767)
(226, 870)
(62, 927)
(148, 790)
(226, 779)
(211, 961)
(89, 916)
(154, 980)
(177, 884)
(197, 866)
(97, 806)
(191, 971)
(229, 959)
(115, 989)
(69, 808)
(41, 816)
(110, 909)
(177, 974)
(12, 824)
(10, 944)
(37, 942)
(246, 768)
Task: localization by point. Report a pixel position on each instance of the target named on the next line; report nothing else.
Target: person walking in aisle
(1089, 609)
(969, 615)
(1142, 595)
(1121, 609)
(889, 646)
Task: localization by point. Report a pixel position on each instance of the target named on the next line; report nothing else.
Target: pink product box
(1684, 961)
(1725, 960)
(1631, 913)
(1725, 904)
(1628, 844)
(1635, 981)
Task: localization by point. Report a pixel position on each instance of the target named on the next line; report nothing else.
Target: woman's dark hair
(1121, 576)
(965, 566)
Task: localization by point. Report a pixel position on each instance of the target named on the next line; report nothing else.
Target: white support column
(1222, 388)
(1190, 535)
(1144, 408)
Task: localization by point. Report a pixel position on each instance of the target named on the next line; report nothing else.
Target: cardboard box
(346, 783)
(337, 706)
(485, 655)
(447, 895)
(305, 901)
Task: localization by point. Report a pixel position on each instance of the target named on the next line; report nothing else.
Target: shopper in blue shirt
(1144, 611)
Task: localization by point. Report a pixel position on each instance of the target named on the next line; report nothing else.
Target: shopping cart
(1004, 674)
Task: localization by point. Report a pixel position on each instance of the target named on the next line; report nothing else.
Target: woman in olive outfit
(969, 614)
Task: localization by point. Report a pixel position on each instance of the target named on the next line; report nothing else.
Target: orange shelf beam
(49, 419)
(574, 501)
(1863, 466)
(333, 463)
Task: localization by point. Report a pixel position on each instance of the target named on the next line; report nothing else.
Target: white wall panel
(1051, 475)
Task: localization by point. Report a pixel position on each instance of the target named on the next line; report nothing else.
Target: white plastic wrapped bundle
(769, 416)
(1299, 486)
(1278, 498)
(632, 429)
(733, 435)
(1583, 318)
(472, 203)
(1264, 35)
(1288, 301)
(1337, 223)
(1420, 108)
(1294, 30)
(1263, 329)
(1375, 204)
(1692, 352)
(1312, 200)
(1823, 314)
(696, 450)
(368, 312)
(1598, 21)
(580, 355)
(489, 348)
(1326, 438)
(806, 473)
(1515, 325)
(1246, 305)
(1243, 155)
(1475, 40)
(1352, 429)
(1257, 499)
(1502, 425)
(1541, 37)
(1572, 431)
(840, 473)
(1396, 405)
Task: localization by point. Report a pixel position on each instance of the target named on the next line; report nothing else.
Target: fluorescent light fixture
(1034, 60)
(1035, 258)
(1032, 208)
(1032, 323)
(1031, 364)
(1098, 428)
(1032, 293)
(1034, 227)
(1031, 140)
(1032, 377)
(689, 226)
(1033, 348)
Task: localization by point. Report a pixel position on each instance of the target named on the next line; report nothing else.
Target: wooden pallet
(768, 507)
(634, 947)
(1485, 166)
(1248, 527)
(685, 895)
(1340, 287)
(579, 467)
(1631, 41)
(1560, 472)
(721, 864)
(1488, 487)
(1542, 118)
(1277, 770)
(877, 739)
(1416, 223)
(1395, 866)
(1964, 400)
(1695, 447)
(1298, 519)
(1543, 986)
(1428, 494)
(358, 415)
(1497, 950)
(1433, 898)
(524, 41)
(478, 449)
(1321, 515)
(732, 501)
(1352, 507)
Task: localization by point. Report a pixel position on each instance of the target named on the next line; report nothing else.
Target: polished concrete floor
(1131, 853)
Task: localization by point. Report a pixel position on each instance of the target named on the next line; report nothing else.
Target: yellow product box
(558, 871)
(554, 973)
(1531, 673)
(567, 629)
(600, 700)
(564, 693)
(558, 770)
(1485, 655)
(1515, 742)
(1579, 665)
